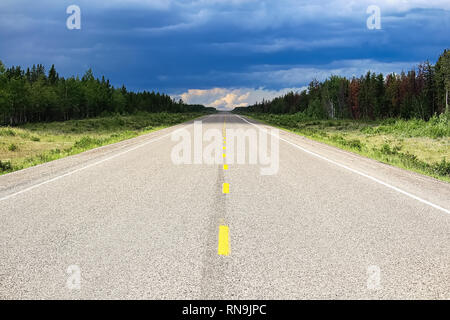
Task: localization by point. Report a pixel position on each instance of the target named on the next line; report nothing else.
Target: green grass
(416, 145)
(35, 143)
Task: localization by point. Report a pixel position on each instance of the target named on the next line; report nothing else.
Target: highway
(328, 224)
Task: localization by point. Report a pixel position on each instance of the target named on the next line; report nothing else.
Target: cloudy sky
(223, 53)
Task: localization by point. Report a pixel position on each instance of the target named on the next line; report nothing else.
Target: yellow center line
(223, 248)
(226, 188)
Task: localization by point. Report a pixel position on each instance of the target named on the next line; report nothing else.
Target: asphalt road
(328, 224)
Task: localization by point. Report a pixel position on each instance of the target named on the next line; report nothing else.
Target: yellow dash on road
(225, 188)
(224, 148)
(225, 167)
(224, 244)
(224, 155)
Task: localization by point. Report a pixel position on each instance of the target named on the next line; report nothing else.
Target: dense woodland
(419, 93)
(33, 95)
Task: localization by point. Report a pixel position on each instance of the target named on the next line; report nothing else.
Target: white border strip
(355, 171)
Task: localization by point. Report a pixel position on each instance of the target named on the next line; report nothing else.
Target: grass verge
(416, 145)
(31, 144)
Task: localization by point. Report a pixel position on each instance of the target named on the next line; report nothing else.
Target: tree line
(418, 93)
(33, 95)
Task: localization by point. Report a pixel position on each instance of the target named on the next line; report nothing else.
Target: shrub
(442, 168)
(7, 132)
(5, 166)
(355, 144)
(12, 147)
(385, 149)
(24, 135)
(436, 127)
(338, 138)
(87, 142)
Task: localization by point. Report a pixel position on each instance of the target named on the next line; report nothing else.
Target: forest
(32, 95)
(419, 93)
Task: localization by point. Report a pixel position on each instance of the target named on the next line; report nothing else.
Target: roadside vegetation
(32, 95)
(44, 116)
(415, 144)
(34, 143)
(420, 93)
(400, 119)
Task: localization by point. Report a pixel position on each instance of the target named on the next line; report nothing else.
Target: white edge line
(355, 171)
(88, 166)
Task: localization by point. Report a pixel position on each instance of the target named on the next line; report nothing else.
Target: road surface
(133, 225)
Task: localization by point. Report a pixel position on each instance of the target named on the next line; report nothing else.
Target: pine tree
(52, 75)
(443, 79)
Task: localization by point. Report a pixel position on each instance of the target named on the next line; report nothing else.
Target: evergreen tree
(443, 80)
(52, 75)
